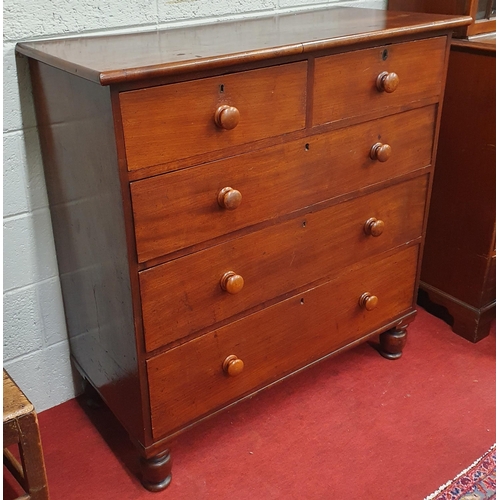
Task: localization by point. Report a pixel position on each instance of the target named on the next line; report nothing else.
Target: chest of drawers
(232, 203)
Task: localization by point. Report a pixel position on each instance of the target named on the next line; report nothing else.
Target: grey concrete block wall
(35, 346)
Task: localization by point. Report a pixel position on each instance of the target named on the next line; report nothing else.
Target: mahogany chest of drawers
(234, 202)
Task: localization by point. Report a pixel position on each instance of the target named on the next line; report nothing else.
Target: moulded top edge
(118, 58)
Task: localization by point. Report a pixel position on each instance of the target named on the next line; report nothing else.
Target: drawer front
(167, 123)
(185, 295)
(188, 381)
(345, 85)
(274, 181)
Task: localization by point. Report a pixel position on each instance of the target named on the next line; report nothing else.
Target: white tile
(24, 187)
(32, 156)
(15, 199)
(366, 4)
(18, 108)
(29, 253)
(22, 323)
(378, 4)
(51, 308)
(46, 377)
(35, 18)
(174, 10)
(306, 3)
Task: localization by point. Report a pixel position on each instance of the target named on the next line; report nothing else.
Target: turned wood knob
(368, 301)
(227, 117)
(232, 282)
(380, 152)
(232, 365)
(229, 198)
(374, 227)
(387, 82)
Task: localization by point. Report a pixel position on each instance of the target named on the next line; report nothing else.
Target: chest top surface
(129, 57)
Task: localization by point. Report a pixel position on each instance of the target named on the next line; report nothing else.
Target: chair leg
(14, 467)
(30, 447)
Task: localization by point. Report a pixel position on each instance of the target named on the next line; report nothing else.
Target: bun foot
(156, 471)
(392, 342)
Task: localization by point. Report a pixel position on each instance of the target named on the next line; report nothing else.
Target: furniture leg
(156, 471)
(20, 427)
(32, 459)
(393, 341)
(469, 322)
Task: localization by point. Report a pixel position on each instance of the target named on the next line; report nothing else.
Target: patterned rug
(477, 482)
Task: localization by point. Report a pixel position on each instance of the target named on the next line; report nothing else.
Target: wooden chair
(20, 426)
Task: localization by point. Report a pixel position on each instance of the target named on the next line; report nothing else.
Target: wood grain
(184, 295)
(115, 59)
(20, 427)
(89, 225)
(460, 243)
(453, 7)
(166, 123)
(274, 181)
(233, 164)
(461, 226)
(277, 340)
(418, 64)
(485, 43)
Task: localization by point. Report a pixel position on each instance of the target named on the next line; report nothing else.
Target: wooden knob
(232, 365)
(374, 227)
(387, 82)
(380, 152)
(229, 198)
(227, 117)
(368, 301)
(232, 282)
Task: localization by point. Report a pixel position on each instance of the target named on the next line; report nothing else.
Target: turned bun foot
(156, 471)
(392, 343)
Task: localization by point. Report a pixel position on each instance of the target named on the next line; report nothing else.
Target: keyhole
(221, 88)
(302, 301)
(304, 224)
(306, 147)
(385, 55)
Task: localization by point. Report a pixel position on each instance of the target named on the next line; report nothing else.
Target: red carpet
(356, 426)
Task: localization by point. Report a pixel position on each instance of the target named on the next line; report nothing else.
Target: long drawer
(169, 122)
(179, 209)
(189, 381)
(345, 85)
(185, 295)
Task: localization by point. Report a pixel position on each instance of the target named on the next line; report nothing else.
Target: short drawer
(170, 122)
(345, 85)
(274, 181)
(189, 381)
(185, 295)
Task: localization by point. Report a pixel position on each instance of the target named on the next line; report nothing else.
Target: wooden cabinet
(234, 202)
(483, 12)
(459, 262)
(458, 269)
